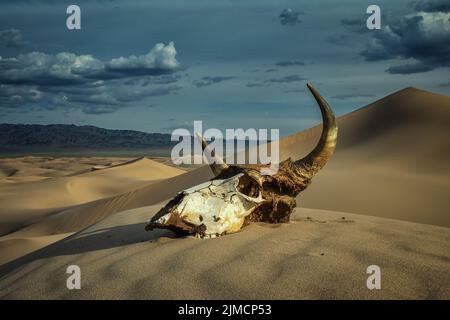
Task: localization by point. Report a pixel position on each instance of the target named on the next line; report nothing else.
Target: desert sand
(33, 211)
(318, 255)
(382, 199)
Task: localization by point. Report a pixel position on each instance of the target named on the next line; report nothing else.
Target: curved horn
(216, 164)
(320, 155)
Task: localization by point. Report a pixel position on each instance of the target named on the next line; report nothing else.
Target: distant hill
(36, 139)
(60, 137)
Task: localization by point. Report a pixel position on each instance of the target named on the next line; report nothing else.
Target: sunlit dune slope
(392, 160)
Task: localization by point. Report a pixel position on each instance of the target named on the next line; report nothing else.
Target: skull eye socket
(248, 186)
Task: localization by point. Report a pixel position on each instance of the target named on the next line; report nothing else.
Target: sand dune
(37, 168)
(51, 206)
(82, 216)
(392, 161)
(319, 255)
(54, 195)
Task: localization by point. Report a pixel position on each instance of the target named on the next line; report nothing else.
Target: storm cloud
(431, 5)
(64, 68)
(69, 80)
(423, 38)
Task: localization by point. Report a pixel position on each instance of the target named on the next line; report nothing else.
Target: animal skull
(212, 208)
(239, 195)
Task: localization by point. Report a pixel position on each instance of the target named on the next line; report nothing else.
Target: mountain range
(29, 137)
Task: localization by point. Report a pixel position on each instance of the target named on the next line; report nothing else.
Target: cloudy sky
(159, 65)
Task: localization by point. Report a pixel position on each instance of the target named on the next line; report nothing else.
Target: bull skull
(238, 195)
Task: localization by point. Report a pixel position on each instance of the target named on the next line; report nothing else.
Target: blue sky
(159, 65)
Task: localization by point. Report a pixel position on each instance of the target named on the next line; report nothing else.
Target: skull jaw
(182, 228)
(178, 231)
(173, 222)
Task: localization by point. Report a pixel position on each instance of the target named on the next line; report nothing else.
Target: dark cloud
(411, 68)
(422, 37)
(290, 17)
(270, 70)
(431, 5)
(37, 68)
(165, 79)
(12, 38)
(208, 81)
(11, 96)
(290, 63)
(353, 96)
(85, 82)
(287, 79)
(64, 68)
(93, 99)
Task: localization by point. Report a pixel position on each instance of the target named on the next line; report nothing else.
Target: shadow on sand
(86, 241)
